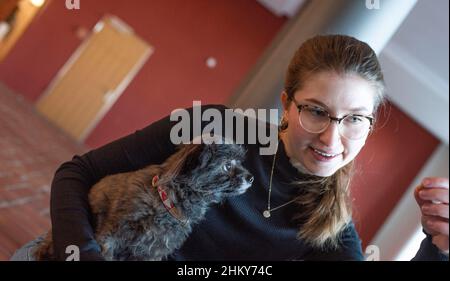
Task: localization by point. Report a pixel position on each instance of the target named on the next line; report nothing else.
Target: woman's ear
(285, 100)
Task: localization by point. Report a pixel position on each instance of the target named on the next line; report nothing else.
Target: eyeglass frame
(331, 118)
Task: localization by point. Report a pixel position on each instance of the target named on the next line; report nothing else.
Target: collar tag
(168, 204)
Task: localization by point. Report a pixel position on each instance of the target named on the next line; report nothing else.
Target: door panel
(94, 77)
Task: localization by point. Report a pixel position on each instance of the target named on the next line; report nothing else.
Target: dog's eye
(227, 167)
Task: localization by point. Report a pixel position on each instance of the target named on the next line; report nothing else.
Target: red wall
(386, 167)
(184, 34)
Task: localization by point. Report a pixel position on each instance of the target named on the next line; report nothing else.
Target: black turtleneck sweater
(232, 230)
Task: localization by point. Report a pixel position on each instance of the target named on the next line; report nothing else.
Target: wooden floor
(30, 152)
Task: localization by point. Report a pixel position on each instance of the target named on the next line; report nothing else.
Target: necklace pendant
(266, 214)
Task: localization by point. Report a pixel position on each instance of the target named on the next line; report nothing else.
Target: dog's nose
(249, 178)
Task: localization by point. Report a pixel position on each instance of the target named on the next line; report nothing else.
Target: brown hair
(325, 204)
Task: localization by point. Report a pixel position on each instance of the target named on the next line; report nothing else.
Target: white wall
(416, 68)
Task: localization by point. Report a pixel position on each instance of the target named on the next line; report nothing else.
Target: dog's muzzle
(246, 183)
(249, 178)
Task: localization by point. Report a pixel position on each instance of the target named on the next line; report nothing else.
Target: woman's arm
(69, 206)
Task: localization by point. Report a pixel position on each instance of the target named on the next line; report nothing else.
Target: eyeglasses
(316, 120)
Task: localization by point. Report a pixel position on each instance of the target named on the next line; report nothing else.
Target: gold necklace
(268, 211)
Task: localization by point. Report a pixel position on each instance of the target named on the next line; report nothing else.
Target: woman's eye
(227, 167)
(318, 112)
(355, 119)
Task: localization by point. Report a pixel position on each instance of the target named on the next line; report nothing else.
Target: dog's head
(213, 170)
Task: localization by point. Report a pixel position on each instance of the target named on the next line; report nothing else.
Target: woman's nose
(331, 136)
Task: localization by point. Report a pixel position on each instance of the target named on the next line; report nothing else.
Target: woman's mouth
(323, 156)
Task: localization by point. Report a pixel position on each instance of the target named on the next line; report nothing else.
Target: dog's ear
(186, 158)
(208, 152)
(192, 159)
(199, 156)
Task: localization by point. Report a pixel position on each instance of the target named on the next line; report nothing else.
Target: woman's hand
(432, 197)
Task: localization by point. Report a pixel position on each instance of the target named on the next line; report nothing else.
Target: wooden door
(94, 77)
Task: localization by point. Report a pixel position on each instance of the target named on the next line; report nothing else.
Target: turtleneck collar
(294, 166)
(286, 170)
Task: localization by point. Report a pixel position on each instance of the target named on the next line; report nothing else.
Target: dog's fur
(131, 222)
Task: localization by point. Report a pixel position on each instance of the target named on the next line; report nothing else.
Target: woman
(297, 208)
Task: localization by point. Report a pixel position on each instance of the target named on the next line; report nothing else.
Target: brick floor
(31, 149)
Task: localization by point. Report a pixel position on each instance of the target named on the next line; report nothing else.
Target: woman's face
(339, 95)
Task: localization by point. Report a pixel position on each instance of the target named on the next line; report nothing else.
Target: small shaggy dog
(149, 213)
